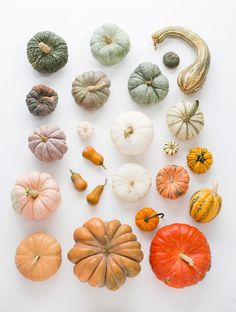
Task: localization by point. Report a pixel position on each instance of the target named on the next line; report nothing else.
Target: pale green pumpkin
(147, 85)
(109, 44)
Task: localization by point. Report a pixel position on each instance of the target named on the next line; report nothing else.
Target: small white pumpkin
(132, 133)
(131, 182)
(171, 148)
(85, 130)
(185, 119)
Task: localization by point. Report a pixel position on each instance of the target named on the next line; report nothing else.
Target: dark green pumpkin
(47, 52)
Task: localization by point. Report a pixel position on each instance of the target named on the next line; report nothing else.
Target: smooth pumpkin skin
(199, 159)
(147, 219)
(92, 155)
(147, 85)
(54, 57)
(172, 181)
(105, 253)
(109, 44)
(36, 196)
(180, 255)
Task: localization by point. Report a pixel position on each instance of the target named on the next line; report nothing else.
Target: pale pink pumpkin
(48, 143)
(36, 196)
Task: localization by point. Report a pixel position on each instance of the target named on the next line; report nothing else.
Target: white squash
(131, 182)
(185, 120)
(85, 130)
(132, 133)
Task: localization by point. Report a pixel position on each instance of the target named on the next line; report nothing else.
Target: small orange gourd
(147, 219)
(91, 154)
(199, 159)
(94, 197)
(79, 183)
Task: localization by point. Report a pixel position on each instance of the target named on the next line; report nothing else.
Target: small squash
(147, 219)
(172, 181)
(91, 154)
(38, 257)
(171, 148)
(171, 59)
(47, 52)
(79, 183)
(147, 85)
(85, 130)
(205, 204)
(41, 100)
(199, 159)
(94, 197)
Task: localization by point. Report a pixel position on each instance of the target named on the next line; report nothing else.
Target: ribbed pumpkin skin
(205, 205)
(144, 214)
(51, 61)
(199, 159)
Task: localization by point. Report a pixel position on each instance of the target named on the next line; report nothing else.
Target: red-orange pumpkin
(180, 255)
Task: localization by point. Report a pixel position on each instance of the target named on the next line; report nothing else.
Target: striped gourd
(185, 119)
(205, 204)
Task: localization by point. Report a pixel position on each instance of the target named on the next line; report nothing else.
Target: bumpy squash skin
(199, 159)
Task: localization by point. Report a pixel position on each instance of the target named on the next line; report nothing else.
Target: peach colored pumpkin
(36, 196)
(48, 143)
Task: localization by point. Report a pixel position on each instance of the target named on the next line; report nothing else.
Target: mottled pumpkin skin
(41, 100)
(109, 44)
(199, 159)
(52, 58)
(147, 85)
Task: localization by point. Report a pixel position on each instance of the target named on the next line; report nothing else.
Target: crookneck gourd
(192, 78)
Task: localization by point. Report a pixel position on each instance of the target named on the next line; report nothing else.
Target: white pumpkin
(85, 130)
(132, 133)
(185, 119)
(131, 182)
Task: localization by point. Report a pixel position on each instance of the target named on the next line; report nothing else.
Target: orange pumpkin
(180, 255)
(172, 181)
(147, 219)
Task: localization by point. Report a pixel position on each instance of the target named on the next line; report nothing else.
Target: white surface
(75, 22)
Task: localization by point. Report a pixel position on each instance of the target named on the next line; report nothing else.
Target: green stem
(31, 192)
(192, 111)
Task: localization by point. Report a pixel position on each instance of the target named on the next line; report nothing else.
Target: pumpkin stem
(72, 172)
(155, 42)
(96, 87)
(105, 182)
(155, 215)
(128, 132)
(215, 188)
(44, 47)
(192, 111)
(149, 83)
(186, 259)
(44, 138)
(31, 192)
(108, 39)
(36, 258)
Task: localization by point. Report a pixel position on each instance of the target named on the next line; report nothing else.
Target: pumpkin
(147, 219)
(85, 130)
(79, 183)
(172, 181)
(199, 159)
(171, 148)
(38, 256)
(92, 155)
(185, 120)
(171, 59)
(48, 143)
(105, 253)
(109, 44)
(131, 182)
(147, 85)
(132, 133)
(94, 196)
(41, 100)
(192, 78)
(91, 90)
(47, 52)
(36, 196)
(205, 204)
(180, 255)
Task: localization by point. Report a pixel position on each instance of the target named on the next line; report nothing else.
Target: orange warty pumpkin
(172, 181)
(180, 255)
(147, 219)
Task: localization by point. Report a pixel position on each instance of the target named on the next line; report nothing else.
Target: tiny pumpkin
(172, 181)
(94, 196)
(38, 256)
(85, 130)
(171, 148)
(171, 59)
(199, 159)
(92, 155)
(79, 183)
(147, 219)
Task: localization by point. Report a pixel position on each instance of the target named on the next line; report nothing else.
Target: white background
(75, 21)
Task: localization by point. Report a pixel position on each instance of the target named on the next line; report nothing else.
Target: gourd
(171, 148)
(192, 78)
(92, 155)
(41, 100)
(47, 52)
(185, 120)
(171, 59)
(85, 130)
(205, 204)
(79, 183)
(38, 256)
(131, 182)
(132, 133)
(147, 219)
(147, 85)
(36, 196)
(172, 181)
(105, 253)
(94, 196)
(91, 90)
(48, 143)
(180, 255)
(109, 44)
(199, 159)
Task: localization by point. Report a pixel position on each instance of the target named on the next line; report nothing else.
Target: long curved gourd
(192, 78)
